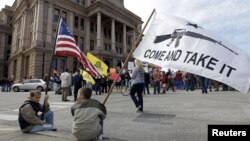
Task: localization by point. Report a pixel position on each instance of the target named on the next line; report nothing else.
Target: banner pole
(129, 55)
(51, 61)
(50, 67)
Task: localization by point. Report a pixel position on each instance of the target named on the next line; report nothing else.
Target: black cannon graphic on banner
(179, 33)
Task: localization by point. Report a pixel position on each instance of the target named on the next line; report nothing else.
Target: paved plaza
(175, 116)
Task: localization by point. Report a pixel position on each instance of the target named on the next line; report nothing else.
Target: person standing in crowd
(77, 83)
(110, 81)
(209, 84)
(147, 82)
(203, 81)
(178, 80)
(137, 77)
(170, 80)
(127, 78)
(56, 83)
(66, 84)
(88, 116)
(216, 85)
(28, 118)
(9, 83)
(224, 87)
(164, 81)
(104, 84)
(157, 79)
(97, 85)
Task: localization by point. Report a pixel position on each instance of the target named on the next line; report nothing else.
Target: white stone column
(87, 39)
(49, 24)
(39, 21)
(87, 2)
(25, 34)
(99, 31)
(70, 21)
(124, 39)
(134, 37)
(113, 35)
(34, 23)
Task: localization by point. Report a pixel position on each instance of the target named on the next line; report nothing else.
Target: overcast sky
(229, 19)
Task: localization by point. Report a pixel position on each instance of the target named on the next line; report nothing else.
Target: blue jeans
(138, 101)
(157, 87)
(49, 119)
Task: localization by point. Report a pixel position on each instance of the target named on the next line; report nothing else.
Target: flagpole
(129, 55)
(52, 58)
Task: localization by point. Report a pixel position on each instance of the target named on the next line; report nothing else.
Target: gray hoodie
(87, 116)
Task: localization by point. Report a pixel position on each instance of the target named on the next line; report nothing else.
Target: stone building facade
(103, 27)
(5, 40)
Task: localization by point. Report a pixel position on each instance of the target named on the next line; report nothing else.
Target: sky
(230, 19)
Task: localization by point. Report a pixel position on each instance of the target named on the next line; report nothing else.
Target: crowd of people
(68, 83)
(6, 84)
(89, 114)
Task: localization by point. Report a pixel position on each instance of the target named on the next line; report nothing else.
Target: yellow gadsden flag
(87, 77)
(99, 64)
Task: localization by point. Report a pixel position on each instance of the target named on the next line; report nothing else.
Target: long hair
(138, 64)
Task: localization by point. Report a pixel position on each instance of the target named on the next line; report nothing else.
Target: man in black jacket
(29, 119)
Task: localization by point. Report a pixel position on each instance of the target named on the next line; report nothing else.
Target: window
(81, 44)
(120, 49)
(92, 27)
(8, 54)
(109, 47)
(31, 37)
(129, 40)
(54, 36)
(116, 36)
(9, 40)
(26, 81)
(76, 39)
(83, 2)
(91, 45)
(64, 16)
(32, 16)
(19, 24)
(116, 49)
(82, 24)
(56, 14)
(27, 65)
(105, 46)
(75, 65)
(109, 33)
(76, 21)
(54, 63)
(62, 64)
(17, 44)
(14, 68)
(9, 20)
(105, 32)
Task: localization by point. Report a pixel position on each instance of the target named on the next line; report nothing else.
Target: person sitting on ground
(88, 116)
(29, 119)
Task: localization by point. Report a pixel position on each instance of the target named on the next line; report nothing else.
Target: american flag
(66, 46)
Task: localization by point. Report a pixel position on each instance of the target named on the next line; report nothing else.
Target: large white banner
(180, 44)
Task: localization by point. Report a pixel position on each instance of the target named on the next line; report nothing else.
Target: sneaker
(139, 111)
(138, 108)
(54, 129)
(100, 137)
